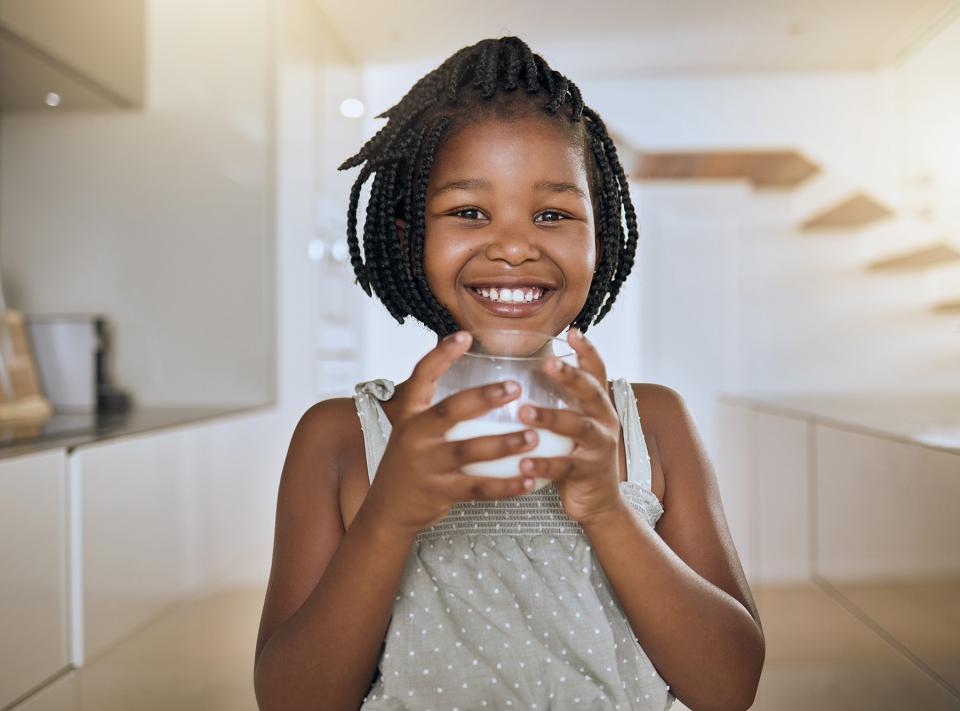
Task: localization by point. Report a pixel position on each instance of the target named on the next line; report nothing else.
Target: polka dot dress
(503, 604)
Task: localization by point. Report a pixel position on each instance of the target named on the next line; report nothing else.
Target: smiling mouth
(511, 303)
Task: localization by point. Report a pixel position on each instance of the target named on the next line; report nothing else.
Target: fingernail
(528, 484)
(529, 436)
(529, 412)
(526, 465)
(511, 388)
(460, 336)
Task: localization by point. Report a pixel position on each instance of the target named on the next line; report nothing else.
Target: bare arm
(684, 591)
(331, 593)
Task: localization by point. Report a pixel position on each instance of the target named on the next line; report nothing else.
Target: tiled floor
(198, 657)
(923, 616)
(820, 656)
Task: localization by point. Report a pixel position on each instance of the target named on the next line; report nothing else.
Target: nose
(513, 242)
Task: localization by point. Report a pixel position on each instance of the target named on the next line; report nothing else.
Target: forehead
(523, 150)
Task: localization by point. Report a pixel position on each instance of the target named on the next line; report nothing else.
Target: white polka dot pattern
(503, 604)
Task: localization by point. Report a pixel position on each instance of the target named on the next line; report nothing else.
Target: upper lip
(511, 282)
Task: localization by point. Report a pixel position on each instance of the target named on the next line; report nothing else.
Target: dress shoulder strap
(373, 421)
(638, 459)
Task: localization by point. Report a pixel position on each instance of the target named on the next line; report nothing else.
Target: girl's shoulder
(342, 421)
(332, 421)
(658, 405)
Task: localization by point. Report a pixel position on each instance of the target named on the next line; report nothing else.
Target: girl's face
(508, 206)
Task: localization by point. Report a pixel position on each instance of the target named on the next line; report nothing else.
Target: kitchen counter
(71, 430)
(928, 419)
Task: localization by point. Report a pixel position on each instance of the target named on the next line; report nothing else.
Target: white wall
(928, 114)
(315, 74)
(160, 219)
(839, 120)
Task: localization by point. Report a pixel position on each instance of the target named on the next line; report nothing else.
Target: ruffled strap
(638, 460)
(373, 420)
(380, 388)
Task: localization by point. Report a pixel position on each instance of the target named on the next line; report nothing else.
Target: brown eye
(556, 214)
(468, 213)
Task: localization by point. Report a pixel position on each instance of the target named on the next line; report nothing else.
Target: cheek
(443, 260)
(581, 261)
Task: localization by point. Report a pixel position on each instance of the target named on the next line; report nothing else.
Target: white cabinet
(96, 542)
(33, 579)
(762, 471)
(165, 515)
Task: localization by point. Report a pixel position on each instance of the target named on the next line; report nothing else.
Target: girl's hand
(587, 479)
(419, 478)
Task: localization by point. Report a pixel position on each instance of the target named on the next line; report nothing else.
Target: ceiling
(616, 37)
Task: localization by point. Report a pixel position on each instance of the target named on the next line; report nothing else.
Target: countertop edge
(152, 420)
(770, 405)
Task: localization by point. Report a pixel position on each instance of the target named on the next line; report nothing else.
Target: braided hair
(475, 83)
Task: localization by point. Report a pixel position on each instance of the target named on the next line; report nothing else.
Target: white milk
(549, 444)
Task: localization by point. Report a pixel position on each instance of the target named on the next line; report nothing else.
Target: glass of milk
(496, 355)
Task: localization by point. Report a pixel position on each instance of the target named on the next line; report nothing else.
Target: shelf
(856, 210)
(920, 257)
(762, 168)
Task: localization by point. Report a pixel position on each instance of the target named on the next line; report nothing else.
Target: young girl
(496, 203)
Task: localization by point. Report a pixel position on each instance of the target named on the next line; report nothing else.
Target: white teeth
(510, 296)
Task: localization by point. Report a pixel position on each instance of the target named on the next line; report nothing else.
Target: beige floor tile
(923, 616)
(199, 657)
(820, 656)
(195, 657)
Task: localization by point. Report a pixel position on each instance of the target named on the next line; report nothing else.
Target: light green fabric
(503, 604)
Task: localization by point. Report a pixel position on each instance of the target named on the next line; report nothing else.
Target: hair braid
(442, 322)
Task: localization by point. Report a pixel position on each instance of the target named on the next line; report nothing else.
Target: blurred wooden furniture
(21, 397)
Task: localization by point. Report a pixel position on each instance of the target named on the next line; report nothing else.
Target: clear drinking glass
(496, 355)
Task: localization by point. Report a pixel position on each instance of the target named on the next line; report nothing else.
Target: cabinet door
(762, 471)
(33, 581)
(166, 515)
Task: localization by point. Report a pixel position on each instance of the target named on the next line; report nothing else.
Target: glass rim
(490, 356)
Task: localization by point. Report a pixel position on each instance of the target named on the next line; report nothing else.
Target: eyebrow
(464, 184)
(484, 184)
(555, 187)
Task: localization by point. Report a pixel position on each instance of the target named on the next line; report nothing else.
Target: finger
(588, 357)
(423, 379)
(589, 393)
(570, 423)
(465, 405)
(453, 455)
(554, 468)
(459, 486)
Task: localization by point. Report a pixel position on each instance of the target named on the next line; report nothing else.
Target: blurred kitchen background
(177, 293)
